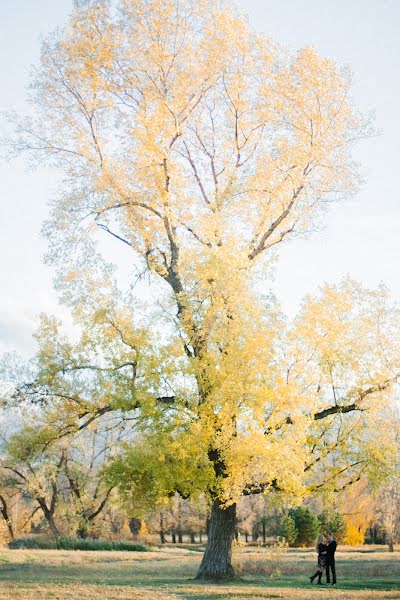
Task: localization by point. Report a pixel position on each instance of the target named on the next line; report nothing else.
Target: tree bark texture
(217, 559)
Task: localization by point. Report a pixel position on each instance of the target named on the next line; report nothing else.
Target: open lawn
(364, 573)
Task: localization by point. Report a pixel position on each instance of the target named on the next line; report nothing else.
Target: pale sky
(360, 237)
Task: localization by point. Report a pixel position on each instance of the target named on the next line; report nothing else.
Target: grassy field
(364, 573)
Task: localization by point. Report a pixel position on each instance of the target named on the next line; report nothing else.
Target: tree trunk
(162, 532)
(216, 563)
(134, 525)
(246, 536)
(6, 517)
(254, 533)
(173, 536)
(264, 533)
(48, 511)
(53, 526)
(180, 537)
(192, 538)
(391, 545)
(50, 520)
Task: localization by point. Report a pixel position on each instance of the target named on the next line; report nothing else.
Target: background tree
(36, 475)
(356, 504)
(87, 497)
(48, 459)
(389, 511)
(287, 529)
(306, 524)
(387, 482)
(200, 146)
(331, 521)
(250, 511)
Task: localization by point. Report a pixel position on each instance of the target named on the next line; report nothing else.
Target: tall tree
(388, 479)
(200, 146)
(35, 474)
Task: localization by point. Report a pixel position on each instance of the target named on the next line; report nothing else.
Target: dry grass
(78, 592)
(165, 574)
(89, 592)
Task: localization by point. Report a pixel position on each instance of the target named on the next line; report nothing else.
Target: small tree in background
(306, 524)
(357, 507)
(331, 521)
(355, 534)
(288, 530)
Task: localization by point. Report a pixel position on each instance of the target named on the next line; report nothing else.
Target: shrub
(33, 543)
(64, 543)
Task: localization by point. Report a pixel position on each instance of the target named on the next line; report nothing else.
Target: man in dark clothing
(330, 560)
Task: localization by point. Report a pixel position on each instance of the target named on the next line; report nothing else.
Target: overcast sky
(360, 237)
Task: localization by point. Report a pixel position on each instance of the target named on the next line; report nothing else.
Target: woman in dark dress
(321, 549)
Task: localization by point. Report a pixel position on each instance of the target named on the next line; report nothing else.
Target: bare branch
(275, 224)
(118, 237)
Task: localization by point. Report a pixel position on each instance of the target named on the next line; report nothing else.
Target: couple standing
(326, 548)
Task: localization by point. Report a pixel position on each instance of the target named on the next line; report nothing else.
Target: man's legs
(333, 568)
(328, 580)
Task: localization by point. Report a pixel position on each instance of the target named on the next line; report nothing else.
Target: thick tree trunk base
(207, 577)
(217, 560)
(227, 578)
